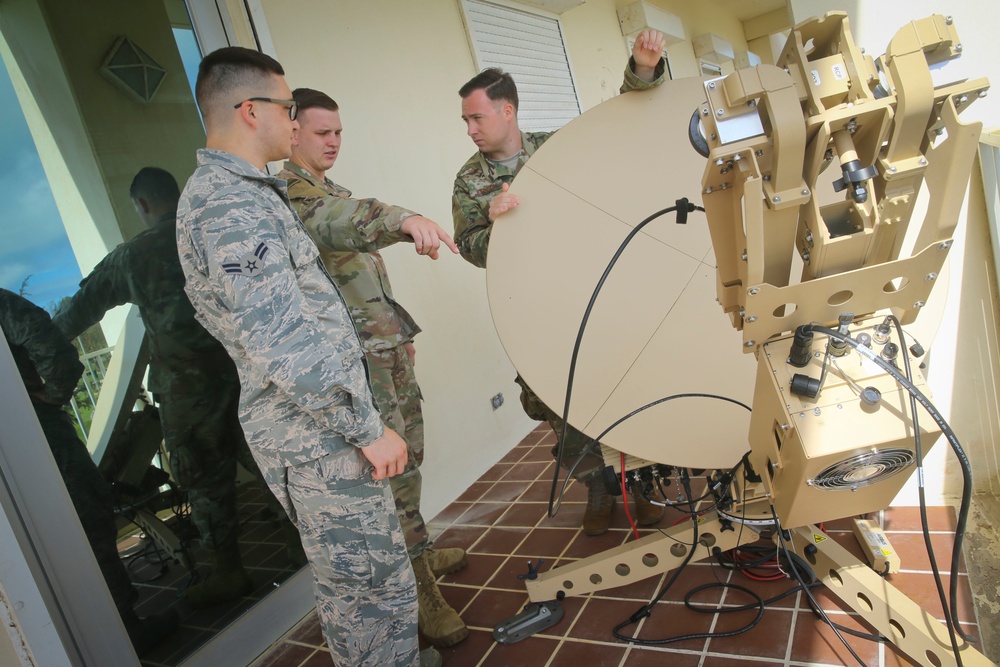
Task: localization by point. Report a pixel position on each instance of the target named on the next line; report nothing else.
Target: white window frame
(526, 123)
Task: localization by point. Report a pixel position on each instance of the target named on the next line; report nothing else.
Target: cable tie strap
(683, 208)
(639, 615)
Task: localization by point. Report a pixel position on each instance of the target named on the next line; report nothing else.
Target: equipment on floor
(810, 172)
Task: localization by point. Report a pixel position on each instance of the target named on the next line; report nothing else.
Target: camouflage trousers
(576, 441)
(397, 395)
(92, 499)
(365, 588)
(203, 436)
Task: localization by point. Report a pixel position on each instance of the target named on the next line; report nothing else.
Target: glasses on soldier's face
(291, 105)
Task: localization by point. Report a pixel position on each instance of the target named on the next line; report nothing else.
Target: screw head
(922, 161)
(711, 85)
(982, 94)
(805, 191)
(719, 112)
(750, 343)
(918, 304)
(704, 112)
(719, 162)
(752, 319)
(892, 168)
(958, 48)
(944, 245)
(753, 291)
(776, 199)
(930, 277)
(707, 190)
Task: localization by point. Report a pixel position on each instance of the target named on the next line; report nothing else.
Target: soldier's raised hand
(427, 236)
(648, 49)
(503, 202)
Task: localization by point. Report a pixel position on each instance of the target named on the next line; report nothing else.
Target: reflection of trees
(94, 352)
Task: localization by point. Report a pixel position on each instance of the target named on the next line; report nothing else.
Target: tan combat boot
(646, 513)
(445, 561)
(600, 505)
(228, 581)
(437, 621)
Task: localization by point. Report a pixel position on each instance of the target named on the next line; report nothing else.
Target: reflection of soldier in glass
(191, 377)
(50, 370)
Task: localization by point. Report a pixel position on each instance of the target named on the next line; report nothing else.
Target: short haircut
(155, 185)
(227, 73)
(307, 98)
(497, 84)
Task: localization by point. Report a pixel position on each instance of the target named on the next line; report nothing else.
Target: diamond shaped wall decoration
(133, 71)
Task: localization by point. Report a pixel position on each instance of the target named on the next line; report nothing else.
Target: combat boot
(445, 561)
(436, 620)
(646, 513)
(429, 657)
(600, 505)
(146, 633)
(228, 581)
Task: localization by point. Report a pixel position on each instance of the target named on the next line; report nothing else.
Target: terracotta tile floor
(501, 520)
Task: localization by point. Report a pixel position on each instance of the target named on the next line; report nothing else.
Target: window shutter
(530, 47)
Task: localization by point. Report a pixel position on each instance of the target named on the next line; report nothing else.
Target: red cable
(635, 531)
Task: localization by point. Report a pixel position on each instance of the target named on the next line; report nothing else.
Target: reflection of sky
(34, 240)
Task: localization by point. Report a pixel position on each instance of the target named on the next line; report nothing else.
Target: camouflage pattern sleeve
(633, 82)
(276, 325)
(105, 287)
(472, 224)
(30, 334)
(341, 224)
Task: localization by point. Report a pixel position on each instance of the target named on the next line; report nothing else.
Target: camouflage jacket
(145, 271)
(256, 282)
(47, 361)
(349, 233)
(479, 181)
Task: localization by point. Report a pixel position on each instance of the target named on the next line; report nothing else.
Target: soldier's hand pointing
(427, 236)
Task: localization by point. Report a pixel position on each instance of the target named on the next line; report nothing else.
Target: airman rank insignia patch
(250, 265)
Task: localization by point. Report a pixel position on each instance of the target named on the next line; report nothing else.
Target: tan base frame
(635, 561)
(912, 630)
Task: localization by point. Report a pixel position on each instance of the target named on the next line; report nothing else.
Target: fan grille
(864, 469)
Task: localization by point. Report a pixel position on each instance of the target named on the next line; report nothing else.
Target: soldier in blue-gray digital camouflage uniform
(489, 109)
(336, 222)
(256, 283)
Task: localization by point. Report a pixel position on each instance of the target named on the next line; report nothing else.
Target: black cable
(680, 204)
(963, 513)
(812, 600)
(647, 608)
(946, 430)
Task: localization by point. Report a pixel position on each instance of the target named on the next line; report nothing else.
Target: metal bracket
(537, 616)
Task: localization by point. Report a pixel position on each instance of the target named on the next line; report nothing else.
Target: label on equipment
(839, 72)
(815, 77)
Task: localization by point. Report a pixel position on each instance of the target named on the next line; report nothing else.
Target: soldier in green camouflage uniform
(489, 108)
(191, 377)
(256, 282)
(349, 233)
(50, 369)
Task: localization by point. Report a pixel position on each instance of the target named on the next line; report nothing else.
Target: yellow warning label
(886, 552)
(817, 538)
